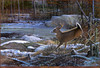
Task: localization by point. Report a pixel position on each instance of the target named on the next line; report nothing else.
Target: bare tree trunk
(2, 7)
(89, 27)
(11, 11)
(43, 6)
(18, 10)
(23, 5)
(96, 31)
(0, 16)
(56, 9)
(34, 8)
(93, 8)
(14, 6)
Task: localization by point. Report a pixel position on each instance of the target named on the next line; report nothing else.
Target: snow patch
(14, 52)
(86, 47)
(14, 41)
(91, 62)
(97, 43)
(3, 38)
(30, 47)
(43, 47)
(31, 38)
(73, 46)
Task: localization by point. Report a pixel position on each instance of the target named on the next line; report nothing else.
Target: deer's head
(57, 29)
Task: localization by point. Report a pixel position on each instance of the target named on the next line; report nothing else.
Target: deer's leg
(59, 45)
(65, 45)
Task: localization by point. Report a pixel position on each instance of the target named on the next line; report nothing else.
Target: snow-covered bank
(14, 52)
(14, 41)
(69, 46)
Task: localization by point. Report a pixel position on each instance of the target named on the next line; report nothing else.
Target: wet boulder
(69, 21)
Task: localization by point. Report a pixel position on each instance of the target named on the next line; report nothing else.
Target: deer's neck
(78, 32)
(59, 34)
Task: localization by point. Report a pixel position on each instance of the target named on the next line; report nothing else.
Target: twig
(79, 56)
(15, 59)
(90, 38)
(56, 57)
(82, 10)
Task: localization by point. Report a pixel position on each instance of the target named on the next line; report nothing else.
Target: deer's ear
(61, 24)
(58, 27)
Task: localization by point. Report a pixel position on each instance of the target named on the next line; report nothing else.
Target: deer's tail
(79, 26)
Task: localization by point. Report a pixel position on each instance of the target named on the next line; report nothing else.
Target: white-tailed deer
(68, 35)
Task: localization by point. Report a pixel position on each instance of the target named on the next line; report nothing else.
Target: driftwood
(20, 61)
(54, 59)
(79, 56)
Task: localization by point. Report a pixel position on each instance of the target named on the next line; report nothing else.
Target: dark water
(40, 30)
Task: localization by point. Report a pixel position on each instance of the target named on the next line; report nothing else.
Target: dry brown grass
(2, 59)
(52, 50)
